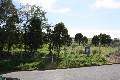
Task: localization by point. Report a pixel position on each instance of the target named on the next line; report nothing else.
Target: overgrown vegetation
(29, 42)
(82, 60)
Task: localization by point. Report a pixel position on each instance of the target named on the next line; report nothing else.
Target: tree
(116, 42)
(11, 31)
(7, 9)
(78, 37)
(2, 39)
(34, 34)
(48, 37)
(95, 40)
(69, 40)
(84, 40)
(8, 21)
(60, 36)
(28, 15)
(105, 39)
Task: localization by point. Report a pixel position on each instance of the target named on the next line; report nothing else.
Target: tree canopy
(61, 36)
(95, 40)
(103, 39)
(78, 37)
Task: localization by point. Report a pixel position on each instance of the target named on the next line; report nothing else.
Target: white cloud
(112, 4)
(62, 11)
(48, 5)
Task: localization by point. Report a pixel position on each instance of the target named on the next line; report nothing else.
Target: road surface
(105, 72)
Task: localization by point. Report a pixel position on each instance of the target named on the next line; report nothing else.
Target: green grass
(76, 49)
(79, 49)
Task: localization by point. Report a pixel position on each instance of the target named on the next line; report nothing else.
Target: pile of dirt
(114, 57)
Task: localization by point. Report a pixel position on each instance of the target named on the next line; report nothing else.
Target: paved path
(105, 72)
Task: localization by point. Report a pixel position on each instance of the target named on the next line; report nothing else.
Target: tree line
(27, 28)
(101, 39)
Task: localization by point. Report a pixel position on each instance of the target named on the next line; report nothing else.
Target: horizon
(97, 32)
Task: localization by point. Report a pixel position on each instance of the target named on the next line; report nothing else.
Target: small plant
(81, 51)
(94, 51)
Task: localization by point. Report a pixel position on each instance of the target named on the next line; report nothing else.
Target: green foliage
(27, 38)
(61, 36)
(95, 51)
(31, 66)
(84, 40)
(7, 65)
(52, 65)
(82, 60)
(80, 51)
(32, 25)
(7, 9)
(8, 21)
(95, 40)
(34, 34)
(105, 39)
(78, 37)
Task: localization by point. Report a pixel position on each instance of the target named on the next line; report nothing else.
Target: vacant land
(105, 72)
(114, 57)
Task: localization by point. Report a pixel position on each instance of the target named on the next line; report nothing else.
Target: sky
(89, 17)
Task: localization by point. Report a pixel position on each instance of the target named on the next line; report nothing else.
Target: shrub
(81, 51)
(83, 60)
(95, 51)
(7, 65)
(32, 66)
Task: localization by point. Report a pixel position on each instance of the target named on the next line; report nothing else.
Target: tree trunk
(1, 49)
(79, 42)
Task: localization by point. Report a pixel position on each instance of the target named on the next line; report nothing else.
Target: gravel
(105, 72)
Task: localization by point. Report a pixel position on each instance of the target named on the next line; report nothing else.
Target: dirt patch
(114, 57)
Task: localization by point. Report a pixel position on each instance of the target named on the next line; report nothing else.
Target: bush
(32, 66)
(81, 51)
(95, 51)
(7, 65)
(82, 60)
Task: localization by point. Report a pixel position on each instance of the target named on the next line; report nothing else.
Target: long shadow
(6, 72)
(8, 78)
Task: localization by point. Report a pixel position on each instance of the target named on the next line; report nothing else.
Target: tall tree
(68, 40)
(105, 39)
(11, 31)
(8, 21)
(60, 34)
(48, 37)
(84, 40)
(78, 37)
(95, 40)
(2, 39)
(28, 14)
(7, 9)
(34, 34)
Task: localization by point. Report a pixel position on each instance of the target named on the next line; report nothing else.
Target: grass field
(81, 49)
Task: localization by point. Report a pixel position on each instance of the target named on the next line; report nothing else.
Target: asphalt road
(105, 72)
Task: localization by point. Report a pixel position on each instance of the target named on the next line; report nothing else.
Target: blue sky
(89, 17)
